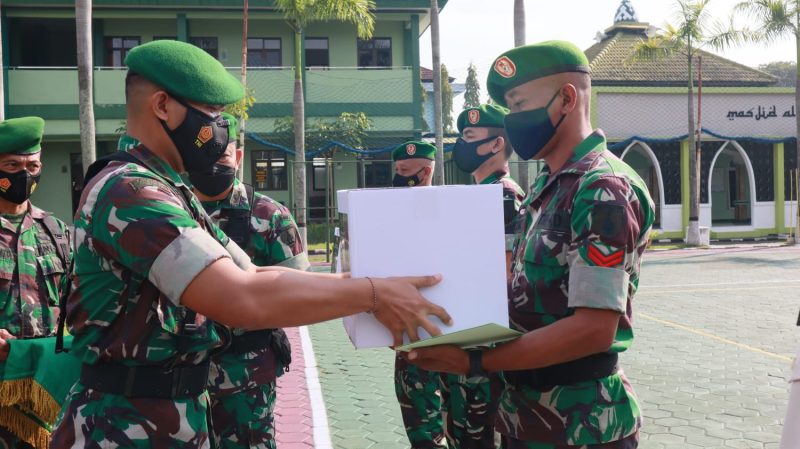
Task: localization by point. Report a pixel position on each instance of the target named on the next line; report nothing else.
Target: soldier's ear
(498, 144)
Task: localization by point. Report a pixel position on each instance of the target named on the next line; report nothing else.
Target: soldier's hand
(443, 359)
(4, 346)
(401, 308)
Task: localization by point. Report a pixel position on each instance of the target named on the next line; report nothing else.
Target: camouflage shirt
(32, 275)
(587, 227)
(274, 240)
(140, 239)
(513, 196)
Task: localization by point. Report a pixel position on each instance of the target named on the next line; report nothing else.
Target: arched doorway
(731, 187)
(642, 159)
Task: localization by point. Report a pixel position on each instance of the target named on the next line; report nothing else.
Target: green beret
(21, 135)
(126, 142)
(233, 126)
(185, 71)
(414, 150)
(527, 63)
(484, 116)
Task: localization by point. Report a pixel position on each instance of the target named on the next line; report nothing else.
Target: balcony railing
(30, 86)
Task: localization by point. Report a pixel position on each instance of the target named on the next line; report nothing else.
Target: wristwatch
(476, 363)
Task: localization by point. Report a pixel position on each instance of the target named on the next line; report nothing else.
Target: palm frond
(357, 12)
(775, 18)
(727, 35)
(654, 49)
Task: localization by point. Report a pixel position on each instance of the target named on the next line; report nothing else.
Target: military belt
(596, 366)
(146, 381)
(250, 341)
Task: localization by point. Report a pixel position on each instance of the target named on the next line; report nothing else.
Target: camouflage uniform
(32, 279)
(242, 386)
(587, 228)
(139, 242)
(470, 403)
(418, 392)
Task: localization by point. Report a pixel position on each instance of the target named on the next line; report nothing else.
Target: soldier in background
(242, 378)
(34, 254)
(417, 390)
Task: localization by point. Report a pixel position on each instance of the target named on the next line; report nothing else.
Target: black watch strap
(476, 364)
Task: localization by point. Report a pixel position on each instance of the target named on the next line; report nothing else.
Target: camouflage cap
(21, 135)
(527, 63)
(484, 116)
(414, 150)
(233, 126)
(185, 71)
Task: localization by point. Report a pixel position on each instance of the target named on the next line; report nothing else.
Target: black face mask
(466, 156)
(530, 131)
(406, 181)
(214, 181)
(201, 140)
(17, 187)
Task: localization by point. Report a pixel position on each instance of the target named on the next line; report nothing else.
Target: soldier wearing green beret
(158, 285)
(469, 404)
(242, 378)
(35, 257)
(575, 270)
(413, 164)
(417, 390)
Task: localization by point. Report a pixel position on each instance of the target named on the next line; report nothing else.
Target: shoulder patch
(140, 183)
(608, 220)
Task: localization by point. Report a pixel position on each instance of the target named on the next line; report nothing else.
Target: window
(264, 52)
(269, 170)
(378, 174)
(375, 52)
(320, 174)
(117, 48)
(209, 44)
(317, 52)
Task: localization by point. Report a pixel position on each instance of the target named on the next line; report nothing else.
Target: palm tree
(438, 126)
(519, 40)
(83, 23)
(2, 93)
(776, 20)
(298, 14)
(692, 33)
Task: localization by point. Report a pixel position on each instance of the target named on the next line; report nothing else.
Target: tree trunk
(240, 171)
(299, 114)
(438, 177)
(693, 234)
(83, 23)
(2, 80)
(519, 40)
(797, 126)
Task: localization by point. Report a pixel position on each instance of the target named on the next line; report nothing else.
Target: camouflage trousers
(469, 408)
(420, 404)
(10, 441)
(629, 442)
(244, 420)
(94, 420)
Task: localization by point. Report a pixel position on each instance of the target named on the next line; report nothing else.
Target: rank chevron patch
(601, 260)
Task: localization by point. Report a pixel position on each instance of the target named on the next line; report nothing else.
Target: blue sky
(479, 30)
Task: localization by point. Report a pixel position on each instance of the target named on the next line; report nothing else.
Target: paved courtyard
(715, 336)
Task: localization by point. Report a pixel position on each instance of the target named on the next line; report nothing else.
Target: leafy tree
(472, 90)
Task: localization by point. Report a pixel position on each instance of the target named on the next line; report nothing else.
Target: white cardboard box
(456, 231)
